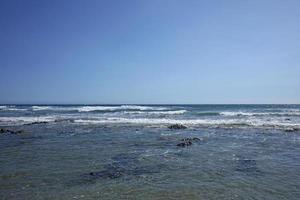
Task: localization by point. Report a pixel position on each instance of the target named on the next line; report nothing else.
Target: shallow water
(109, 152)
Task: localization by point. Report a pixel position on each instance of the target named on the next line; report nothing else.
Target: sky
(149, 52)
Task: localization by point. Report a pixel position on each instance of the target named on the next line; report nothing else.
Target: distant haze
(148, 52)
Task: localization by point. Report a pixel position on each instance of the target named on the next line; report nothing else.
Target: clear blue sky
(164, 51)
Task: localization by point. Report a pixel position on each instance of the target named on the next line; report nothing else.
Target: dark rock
(64, 120)
(11, 131)
(184, 144)
(122, 165)
(291, 129)
(19, 132)
(3, 130)
(34, 123)
(177, 126)
(192, 139)
(287, 119)
(247, 166)
(188, 141)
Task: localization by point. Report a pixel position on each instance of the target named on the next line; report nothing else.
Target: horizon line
(99, 104)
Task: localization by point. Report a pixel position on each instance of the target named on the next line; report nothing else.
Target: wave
(213, 123)
(207, 113)
(122, 107)
(170, 112)
(97, 108)
(293, 113)
(25, 120)
(134, 107)
(227, 113)
(11, 108)
(39, 108)
(193, 122)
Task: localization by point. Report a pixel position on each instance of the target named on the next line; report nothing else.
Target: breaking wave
(25, 120)
(289, 113)
(97, 108)
(114, 108)
(141, 109)
(226, 123)
(38, 108)
(3, 107)
(11, 108)
(193, 122)
(152, 114)
(170, 112)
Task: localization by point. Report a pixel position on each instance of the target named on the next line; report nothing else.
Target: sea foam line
(97, 108)
(170, 112)
(192, 122)
(11, 108)
(227, 113)
(25, 120)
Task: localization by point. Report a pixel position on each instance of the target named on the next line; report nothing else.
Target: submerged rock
(247, 166)
(184, 144)
(291, 129)
(192, 139)
(123, 165)
(111, 173)
(64, 120)
(19, 132)
(34, 123)
(2, 130)
(188, 141)
(177, 126)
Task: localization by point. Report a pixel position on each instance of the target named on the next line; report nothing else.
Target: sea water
(128, 152)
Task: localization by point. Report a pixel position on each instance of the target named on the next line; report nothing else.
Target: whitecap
(170, 112)
(39, 108)
(293, 113)
(122, 107)
(229, 123)
(3, 107)
(137, 107)
(11, 108)
(95, 108)
(24, 120)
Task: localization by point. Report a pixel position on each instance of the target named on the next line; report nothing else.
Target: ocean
(131, 152)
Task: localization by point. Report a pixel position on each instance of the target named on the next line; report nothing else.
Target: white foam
(192, 122)
(97, 108)
(16, 109)
(292, 113)
(171, 112)
(227, 113)
(38, 108)
(74, 108)
(113, 108)
(3, 107)
(135, 107)
(24, 120)
(11, 108)
(172, 117)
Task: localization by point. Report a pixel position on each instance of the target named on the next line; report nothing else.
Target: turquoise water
(128, 152)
